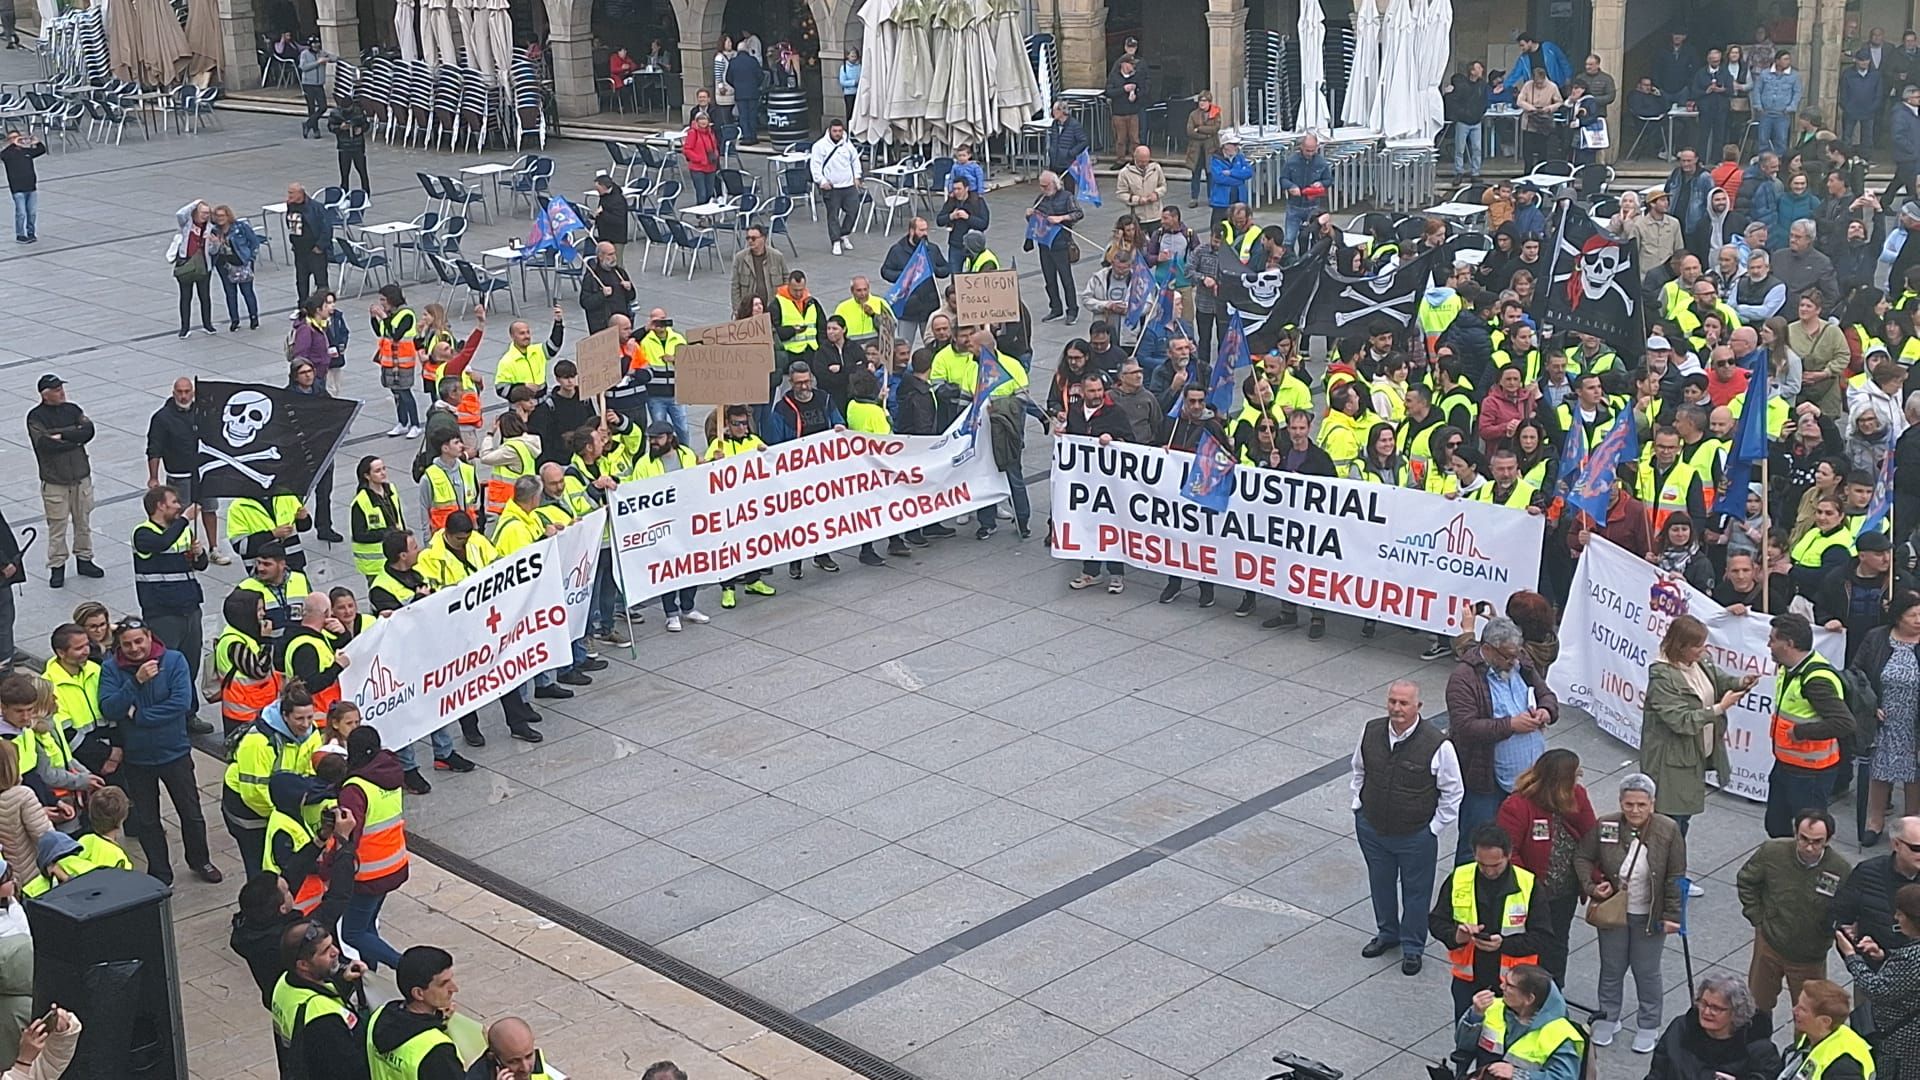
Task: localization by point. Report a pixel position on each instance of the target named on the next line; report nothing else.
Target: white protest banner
(1618, 611)
(834, 490)
(1392, 554)
(447, 654)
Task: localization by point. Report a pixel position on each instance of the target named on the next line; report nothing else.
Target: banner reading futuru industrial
(1378, 552)
(824, 493)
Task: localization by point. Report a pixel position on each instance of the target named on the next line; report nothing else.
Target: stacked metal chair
(443, 114)
(374, 89)
(1271, 96)
(476, 107)
(526, 101)
(346, 82)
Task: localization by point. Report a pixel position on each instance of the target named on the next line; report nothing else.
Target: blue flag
(552, 224)
(992, 375)
(1085, 187)
(919, 270)
(1573, 458)
(1041, 231)
(1749, 445)
(1594, 489)
(1232, 355)
(1139, 294)
(1882, 504)
(1210, 477)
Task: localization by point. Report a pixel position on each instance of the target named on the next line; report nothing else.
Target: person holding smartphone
(46, 1047)
(512, 1053)
(316, 1007)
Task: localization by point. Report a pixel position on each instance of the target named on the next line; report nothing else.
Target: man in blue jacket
(1861, 95)
(1905, 130)
(1776, 97)
(1228, 171)
(145, 689)
(1306, 179)
(745, 75)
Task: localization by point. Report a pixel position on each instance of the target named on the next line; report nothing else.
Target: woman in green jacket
(1683, 722)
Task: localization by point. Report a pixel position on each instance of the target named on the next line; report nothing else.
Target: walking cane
(1686, 949)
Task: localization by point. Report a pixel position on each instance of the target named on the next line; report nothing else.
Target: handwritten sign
(723, 374)
(600, 362)
(990, 297)
(752, 330)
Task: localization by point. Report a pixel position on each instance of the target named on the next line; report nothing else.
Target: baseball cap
(50, 380)
(1657, 343)
(1874, 541)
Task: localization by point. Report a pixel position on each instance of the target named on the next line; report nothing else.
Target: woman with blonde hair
(434, 330)
(1683, 719)
(23, 821)
(233, 246)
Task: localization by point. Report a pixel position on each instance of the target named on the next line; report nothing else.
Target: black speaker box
(103, 949)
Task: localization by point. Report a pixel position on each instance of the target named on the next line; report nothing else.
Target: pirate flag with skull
(260, 441)
(1595, 279)
(1348, 306)
(1271, 301)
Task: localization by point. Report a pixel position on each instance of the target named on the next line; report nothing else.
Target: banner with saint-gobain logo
(1619, 609)
(1392, 554)
(824, 493)
(462, 647)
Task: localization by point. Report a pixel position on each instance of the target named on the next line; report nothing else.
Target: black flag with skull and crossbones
(1594, 282)
(257, 441)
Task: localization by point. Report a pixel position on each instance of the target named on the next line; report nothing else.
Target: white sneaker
(414, 431)
(1694, 889)
(397, 429)
(1603, 1032)
(847, 242)
(1644, 1041)
(836, 247)
(673, 624)
(695, 617)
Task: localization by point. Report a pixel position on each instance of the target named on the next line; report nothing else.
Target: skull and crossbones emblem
(1597, 267)
(245, 415)
(1378, 299)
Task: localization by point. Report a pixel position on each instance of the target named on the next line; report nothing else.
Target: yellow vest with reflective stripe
(77, 696)
(976, 264)
(1513, 916)
(403, 1061)
(1396, 399)
(648, 465)
(807, 333)
(368, 558)
(101, 851)
(1519, 498)
(518, 366)
(296, 1006)
(75, 865)
(1811, 549)
(859, 323)
(1671, 498)
(867, 417)
(1533, 1048)
(1843, 1042)
(1242, 243)
(515, 528)
(658, 352)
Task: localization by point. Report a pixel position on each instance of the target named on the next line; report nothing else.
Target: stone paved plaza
(946, 809)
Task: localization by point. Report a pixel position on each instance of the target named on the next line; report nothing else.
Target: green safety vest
(294, 1007)
(1519, 498)
(403, 1061)
(368, 557)
(806, 337)
(865, 416)
(1844, 1042)
(981, 263)
(1531, 1049)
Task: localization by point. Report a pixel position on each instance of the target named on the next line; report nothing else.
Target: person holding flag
(1122, 293)
(1050, 222)
(996, 379)
(1085, 185)
(1066, 141)
(556, 221)
(912, 264)
(1195, 426)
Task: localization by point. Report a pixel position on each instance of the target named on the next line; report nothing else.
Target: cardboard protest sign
(726, 363)
(600, 362)
(990, 297)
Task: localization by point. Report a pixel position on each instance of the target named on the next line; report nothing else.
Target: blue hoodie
(1562, 1064)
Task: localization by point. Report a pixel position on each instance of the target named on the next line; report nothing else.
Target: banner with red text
(1391, 554)
(1618, 611)
(447, 654)
(820, 494)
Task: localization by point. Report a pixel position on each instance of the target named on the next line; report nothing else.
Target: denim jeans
(1296, 217)
(1773, 133)
(989, 515)
(673, 413)
(1466, 149)
(1400, 878)
(746, 113)
(1791, 790)
(406, 408)
(360, 928)
(442, 742)
(1197, 187)
(606, 596)
(26, 207)
(1856, 130)
(705, 184)
(235, 290)
(1476, 809)
(675, 601)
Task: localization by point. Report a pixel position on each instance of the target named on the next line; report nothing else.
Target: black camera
(1296, 1067)
(328, 816)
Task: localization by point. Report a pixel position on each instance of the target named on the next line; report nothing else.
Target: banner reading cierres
(450, 653)
(1377, 552)
(823, 493)
(1619, 609)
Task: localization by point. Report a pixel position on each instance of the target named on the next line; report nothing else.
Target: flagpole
(1766, 572)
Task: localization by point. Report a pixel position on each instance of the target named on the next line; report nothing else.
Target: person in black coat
(613, 221)
(746, 76)
(349, 124)
(964, 212)
(310, 239)
(11, 571)
(924, 300)
(1065, 142)
(1719, 1036)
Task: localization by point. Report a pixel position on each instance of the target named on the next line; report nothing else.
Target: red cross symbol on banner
(493, 620)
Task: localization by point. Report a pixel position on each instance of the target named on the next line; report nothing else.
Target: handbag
(1594, 136)
(1073, 251)
(1611, 913)
(191, 268)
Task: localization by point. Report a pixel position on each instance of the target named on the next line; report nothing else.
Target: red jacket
(1519, 814)
(701, 149)
(1497, 410)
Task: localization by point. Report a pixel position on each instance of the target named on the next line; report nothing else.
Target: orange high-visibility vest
(383, 839)
(1513, 917)
(402, 353)
(430, 368)
(500, 481)
(241, 697)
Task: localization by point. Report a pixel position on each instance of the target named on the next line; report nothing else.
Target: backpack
(277, 740)
(1858, 693)
(293, 333)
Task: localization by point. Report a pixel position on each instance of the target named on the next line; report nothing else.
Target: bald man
(173, 445)
(511, 1053)
(1305, 178)
(605, 288)
(1407, 790)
